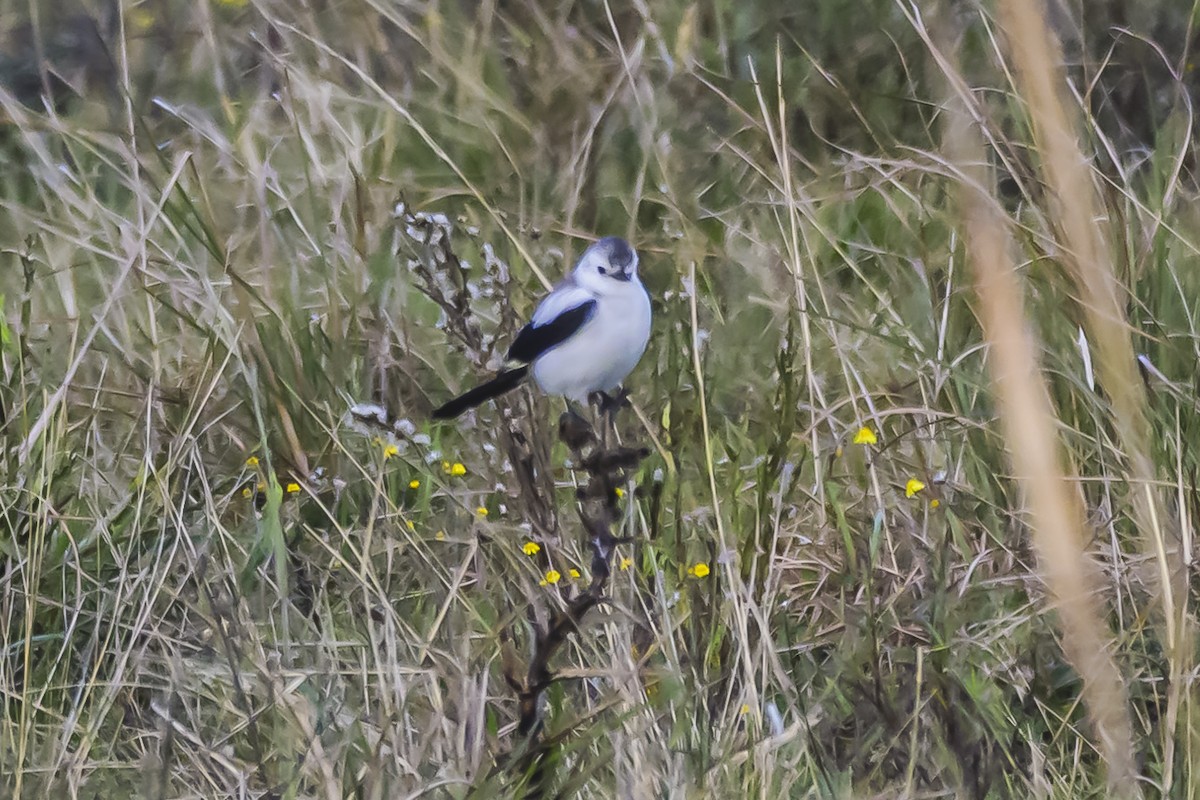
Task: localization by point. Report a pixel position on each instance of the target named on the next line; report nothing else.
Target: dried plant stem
(1078, 215)
(1076, 212)
(607, 467)
(1030, 432)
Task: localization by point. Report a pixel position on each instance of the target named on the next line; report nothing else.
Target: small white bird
(585, 337)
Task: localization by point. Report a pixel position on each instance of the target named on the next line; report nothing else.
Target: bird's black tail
(506, 381)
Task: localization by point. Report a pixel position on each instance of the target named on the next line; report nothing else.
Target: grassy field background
(222, 234)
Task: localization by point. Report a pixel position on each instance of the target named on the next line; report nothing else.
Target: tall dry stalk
(1079, 218)
(1077, 214)
(1029, 427)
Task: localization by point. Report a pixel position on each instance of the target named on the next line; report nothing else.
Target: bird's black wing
(535, 339)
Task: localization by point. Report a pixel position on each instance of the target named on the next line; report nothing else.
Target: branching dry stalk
(442, 277)
(606, 467)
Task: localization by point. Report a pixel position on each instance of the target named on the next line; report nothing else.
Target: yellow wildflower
(626, 563)
(531, 548)
(440, 536)
(865, 436)
(252, 461)
(457, 470)
(934, 503)
(620, 492)
(912, 487)
(574, 573)
(293, 488)
(553, 576)
(247, 493)
(414, 484)
(412, 526)
(745, 709)
(481, 511)
(389, 451)
(700, 570)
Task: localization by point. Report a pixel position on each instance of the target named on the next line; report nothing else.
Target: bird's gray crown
(620, 254)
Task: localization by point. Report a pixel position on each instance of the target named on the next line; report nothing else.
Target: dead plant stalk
(1029, 427)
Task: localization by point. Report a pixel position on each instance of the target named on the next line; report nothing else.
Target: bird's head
(608, 265)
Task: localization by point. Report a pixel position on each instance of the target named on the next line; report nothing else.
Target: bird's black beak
(623, 275)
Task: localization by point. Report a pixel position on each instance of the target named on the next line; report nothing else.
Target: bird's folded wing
(557, 319)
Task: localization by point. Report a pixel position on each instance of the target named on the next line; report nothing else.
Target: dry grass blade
(1030, 432)
(132, 257)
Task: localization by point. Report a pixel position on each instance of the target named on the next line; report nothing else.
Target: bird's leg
(595, 404)
(614, 403)
(608, 407)
(606, 412)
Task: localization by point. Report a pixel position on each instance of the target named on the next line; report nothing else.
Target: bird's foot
(607, 407)
(610, 404)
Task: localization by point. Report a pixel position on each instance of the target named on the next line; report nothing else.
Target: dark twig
(599, 512)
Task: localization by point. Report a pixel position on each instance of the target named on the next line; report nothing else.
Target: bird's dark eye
(602, 270)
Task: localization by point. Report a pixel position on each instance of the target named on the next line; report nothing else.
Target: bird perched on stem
(585, 336)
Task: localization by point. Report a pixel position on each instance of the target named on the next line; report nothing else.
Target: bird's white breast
(603, 352)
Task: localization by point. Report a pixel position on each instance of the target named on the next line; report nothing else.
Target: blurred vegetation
(214, 585)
